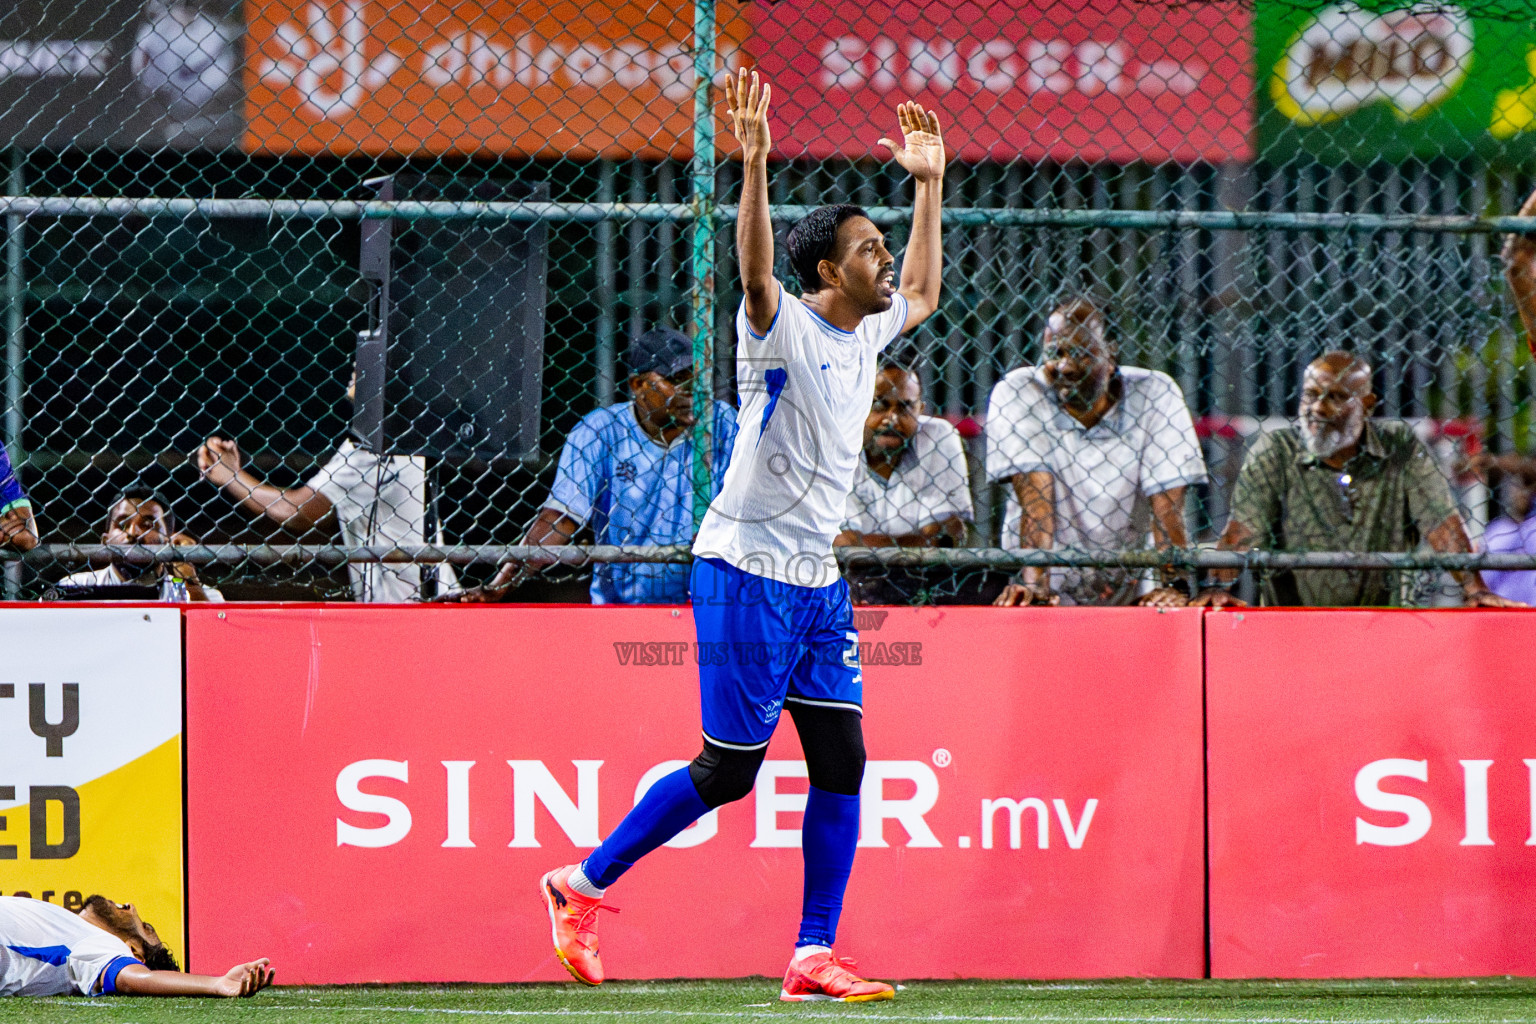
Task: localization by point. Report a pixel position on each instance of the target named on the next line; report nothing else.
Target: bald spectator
(1336, 481)
(1096, 456)
(912, 490)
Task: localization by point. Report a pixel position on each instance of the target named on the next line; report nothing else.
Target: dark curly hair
(119, 922)
(158, 958)
(815, 239)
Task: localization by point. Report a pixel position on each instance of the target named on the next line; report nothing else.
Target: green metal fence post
(703, 260)
(15, 344)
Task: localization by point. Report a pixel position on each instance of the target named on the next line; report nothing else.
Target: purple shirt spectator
(1505, 536)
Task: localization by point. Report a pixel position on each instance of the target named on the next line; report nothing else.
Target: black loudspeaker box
(452, 363)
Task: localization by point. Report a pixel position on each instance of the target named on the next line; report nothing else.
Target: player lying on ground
(105, 949)
(763, 576)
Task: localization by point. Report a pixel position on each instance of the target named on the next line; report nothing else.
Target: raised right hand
(218, 460)
(747, 103)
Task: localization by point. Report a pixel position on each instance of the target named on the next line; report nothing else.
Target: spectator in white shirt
(375, 501)
(139, 516)
(1096, 456)
(911, 489)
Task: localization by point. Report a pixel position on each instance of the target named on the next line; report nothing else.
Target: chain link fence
(197, 194)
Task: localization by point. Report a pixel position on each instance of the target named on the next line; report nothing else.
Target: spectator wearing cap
(912, 490)
(1096, 456)
(373, 500)
(626, 470)
(18, 527)
(139, 516)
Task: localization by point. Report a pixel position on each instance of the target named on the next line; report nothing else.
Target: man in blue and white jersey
(764, 581)
(626, 470)
(105, 949)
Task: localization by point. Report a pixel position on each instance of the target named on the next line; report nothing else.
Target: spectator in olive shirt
(1338, 482)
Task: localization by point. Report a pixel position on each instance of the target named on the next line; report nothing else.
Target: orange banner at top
(541, 78)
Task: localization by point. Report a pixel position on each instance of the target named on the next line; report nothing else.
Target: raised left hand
(246, 979)
(921, 151)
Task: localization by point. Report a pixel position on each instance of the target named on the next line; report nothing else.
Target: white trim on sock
(579, 882)
(801, 952)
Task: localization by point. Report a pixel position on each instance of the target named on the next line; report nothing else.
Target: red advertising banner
(1054, 79)
(1371, 793)
(372, 794)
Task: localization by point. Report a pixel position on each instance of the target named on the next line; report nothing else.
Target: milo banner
(140, 73)
(90, 759)
(1386, 80)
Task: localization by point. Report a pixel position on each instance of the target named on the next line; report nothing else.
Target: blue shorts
(762, 644)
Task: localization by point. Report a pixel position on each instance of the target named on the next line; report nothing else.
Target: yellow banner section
(127, 824)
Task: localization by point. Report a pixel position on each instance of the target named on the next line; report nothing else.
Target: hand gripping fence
(1236, 188)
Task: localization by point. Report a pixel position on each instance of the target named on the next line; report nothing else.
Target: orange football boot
(823, 976)
(573, 922)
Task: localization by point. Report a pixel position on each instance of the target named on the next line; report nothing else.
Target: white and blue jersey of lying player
(46, 950)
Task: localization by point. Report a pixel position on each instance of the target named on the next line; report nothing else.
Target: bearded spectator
(1338, 481)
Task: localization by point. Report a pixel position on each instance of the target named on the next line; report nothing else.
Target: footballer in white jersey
(771, 612)
(105, 949)
(805, 389)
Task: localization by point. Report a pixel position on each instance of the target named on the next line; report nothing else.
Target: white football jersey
(46, 950)
(805, 390)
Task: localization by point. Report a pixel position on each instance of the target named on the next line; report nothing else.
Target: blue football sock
(828, 838)
(667, 808)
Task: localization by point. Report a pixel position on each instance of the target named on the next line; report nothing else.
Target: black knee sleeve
(722, 775)
(833, 741)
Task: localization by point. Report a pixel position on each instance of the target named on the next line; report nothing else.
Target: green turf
(1143, 1002)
